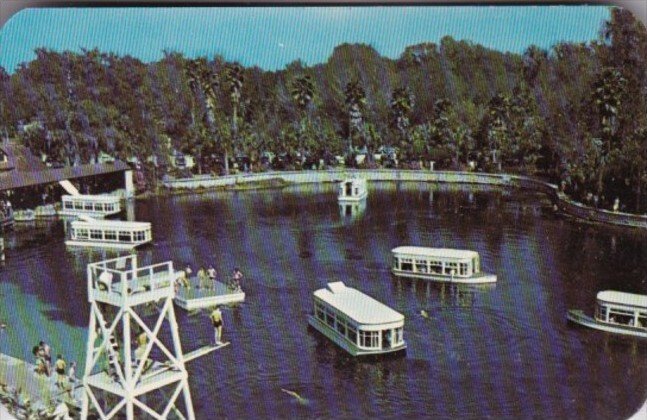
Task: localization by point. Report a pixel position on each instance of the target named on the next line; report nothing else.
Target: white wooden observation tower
(130, 371)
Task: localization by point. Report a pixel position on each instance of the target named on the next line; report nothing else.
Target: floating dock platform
(39, 389)
(198, 298)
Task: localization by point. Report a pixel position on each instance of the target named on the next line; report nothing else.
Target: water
(500, 351)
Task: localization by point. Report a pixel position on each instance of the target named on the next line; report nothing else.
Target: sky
(272, 37)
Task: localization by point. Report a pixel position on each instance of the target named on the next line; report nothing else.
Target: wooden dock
(39, 389)
(197, 298)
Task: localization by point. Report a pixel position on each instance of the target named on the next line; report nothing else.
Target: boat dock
(40, 390)
(198, 298)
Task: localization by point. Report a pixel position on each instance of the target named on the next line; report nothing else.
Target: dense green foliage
(575, 114)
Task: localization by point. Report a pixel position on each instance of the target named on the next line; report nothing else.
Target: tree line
(575, 114)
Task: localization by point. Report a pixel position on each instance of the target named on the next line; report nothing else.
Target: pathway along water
(504, 351)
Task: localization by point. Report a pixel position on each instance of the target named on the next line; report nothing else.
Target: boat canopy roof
(358, 306)
(110, 224)
(421, 251)
(101, 198)
(622, 298)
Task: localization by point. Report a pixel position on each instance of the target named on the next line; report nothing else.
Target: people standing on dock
(47, 355)
(202, 278)
(237, 278)
(60, 367)
(216, 321)
(71, 373)
(212, 273)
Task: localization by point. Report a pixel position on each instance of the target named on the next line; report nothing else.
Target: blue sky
(273, 37)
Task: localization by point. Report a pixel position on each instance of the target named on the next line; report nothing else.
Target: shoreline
(563, 204)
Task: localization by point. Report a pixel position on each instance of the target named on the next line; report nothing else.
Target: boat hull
(344, 344)
(481, 278)
(579, 317)
(110, 245)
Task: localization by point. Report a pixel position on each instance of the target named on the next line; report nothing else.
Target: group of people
(207, 278)
(43, 354)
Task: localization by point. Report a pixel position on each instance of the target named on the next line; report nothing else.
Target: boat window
(108, 206)
(78, 205)
(421, 266)
(601, 313)
(369, 338)
(435, 267)
(124, 236)
(642, 321)
(68, 205)
(395, 263)
(139, 236)
(352, 334)
(96, 234)
(110, 235)
(463, 269)
(82, 233)
(398, 335)
(320, 313)
(330, 318)
(98, 206)
(618, 316)
(451, 266)
(406, 264)
(88, 206)
(341, 326)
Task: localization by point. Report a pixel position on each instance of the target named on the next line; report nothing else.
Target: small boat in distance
(615, 312)
(118, 234)
(439, 264)
(352, 189)
(97, 206)
(356, 322)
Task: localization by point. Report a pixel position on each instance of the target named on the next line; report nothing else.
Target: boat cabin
(440, 264)
(90, 205)
(356, 322)
(622, 308)
(353, 189)
(109, 233)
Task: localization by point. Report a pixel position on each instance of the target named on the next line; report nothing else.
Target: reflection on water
(499, 351)
(352, 210)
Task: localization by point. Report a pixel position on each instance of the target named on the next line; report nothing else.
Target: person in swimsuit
(216, 321)
(60, 367)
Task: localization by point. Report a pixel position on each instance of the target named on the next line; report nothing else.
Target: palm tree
(401, 104)
(302, 92)
(355, 100)
(202, 78)
(608, 92)
(234, 79)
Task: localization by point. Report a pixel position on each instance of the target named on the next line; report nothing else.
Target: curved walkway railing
(564, 204)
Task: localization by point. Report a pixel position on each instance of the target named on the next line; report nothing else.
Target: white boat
(615, 312)
(352, 189)
(439, 264)
(356, 322)
(117, 234)
(90, 205)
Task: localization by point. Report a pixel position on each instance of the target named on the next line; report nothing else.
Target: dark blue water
(501, 351)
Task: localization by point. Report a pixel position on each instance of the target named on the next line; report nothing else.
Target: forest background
(575, 114)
